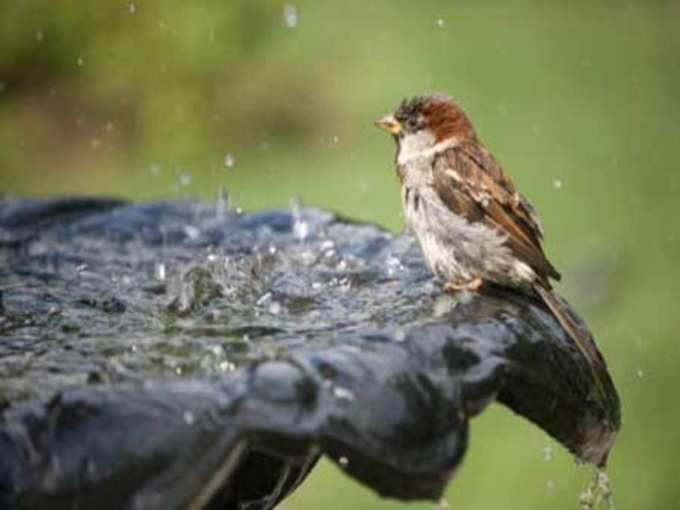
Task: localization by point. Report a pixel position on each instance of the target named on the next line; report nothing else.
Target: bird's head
(424, 123)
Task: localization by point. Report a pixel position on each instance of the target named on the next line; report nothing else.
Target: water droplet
(343, 461)
(264, 299)
(550, 485)
(189, 418)
(227, 366)
(640, 374)
(222, 202)
(185, 179)
(192, 232)
(598, 491)
(441, 22)
(132, 8)
(155, 169)
(229, 160)
(290, 15)
(39, 36)
(275, 308)
(336, 139)
(400, 335)
(160, 271)
(394, 265)
(547, 452)
(80, 61)
(557, 184)
(344, 394)
(300, 226)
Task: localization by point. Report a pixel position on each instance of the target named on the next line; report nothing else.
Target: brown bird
(470, 222)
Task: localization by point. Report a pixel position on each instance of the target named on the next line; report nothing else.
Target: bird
(472, 225)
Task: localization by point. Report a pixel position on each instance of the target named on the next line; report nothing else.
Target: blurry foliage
(578, 100)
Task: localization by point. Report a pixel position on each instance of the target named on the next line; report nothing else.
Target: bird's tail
(581, 337)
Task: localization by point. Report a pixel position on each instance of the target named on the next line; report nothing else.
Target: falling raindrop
(557, 184)
(80, 61)
(343, 461)
(290, 15)
(441, 22)
(640, 374)
(39, 36)
(132, 8)
(155, 169)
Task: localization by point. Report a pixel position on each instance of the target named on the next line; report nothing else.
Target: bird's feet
(472, 285)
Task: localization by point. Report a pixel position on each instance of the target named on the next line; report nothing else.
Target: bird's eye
(412, 124)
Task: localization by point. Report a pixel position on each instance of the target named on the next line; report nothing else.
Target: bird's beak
(389, 124)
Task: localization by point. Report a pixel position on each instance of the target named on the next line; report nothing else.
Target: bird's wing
(473, 185)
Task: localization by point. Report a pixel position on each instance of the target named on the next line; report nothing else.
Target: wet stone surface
(173, 290)
(323, 336)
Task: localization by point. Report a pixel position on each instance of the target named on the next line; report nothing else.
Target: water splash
(229, 160)
(160, 271)
(185, 179)
(290, 16)
(189, 418)
(221, 202)
(394, 265)
(344, 394)
(598, 493)
(300, 226)
(547, 452)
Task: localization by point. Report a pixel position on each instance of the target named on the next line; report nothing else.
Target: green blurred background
(579, 100)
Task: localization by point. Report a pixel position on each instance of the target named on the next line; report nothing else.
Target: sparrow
(472, 225)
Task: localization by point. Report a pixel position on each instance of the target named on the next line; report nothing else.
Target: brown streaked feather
(473, 185)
